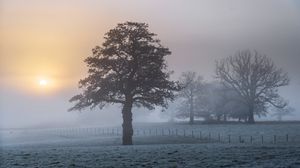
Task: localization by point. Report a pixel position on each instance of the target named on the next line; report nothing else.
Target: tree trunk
(127, 123)
(192, 112)
(251, 115)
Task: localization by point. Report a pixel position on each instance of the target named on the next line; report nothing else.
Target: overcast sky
(50, 38)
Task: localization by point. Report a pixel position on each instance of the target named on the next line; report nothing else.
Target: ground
(150, 151)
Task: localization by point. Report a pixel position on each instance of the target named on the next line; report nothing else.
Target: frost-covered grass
(93, 148)
(166, 155)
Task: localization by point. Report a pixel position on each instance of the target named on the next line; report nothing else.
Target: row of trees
(130, 69)
(247, 85)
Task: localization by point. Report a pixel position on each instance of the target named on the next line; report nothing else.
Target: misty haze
(149, 83)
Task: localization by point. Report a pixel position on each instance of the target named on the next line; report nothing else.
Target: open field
(94, 147)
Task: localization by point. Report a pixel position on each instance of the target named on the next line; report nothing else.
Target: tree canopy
(131, 62)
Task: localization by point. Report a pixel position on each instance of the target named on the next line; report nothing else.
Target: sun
(45, 85)
(43, 82)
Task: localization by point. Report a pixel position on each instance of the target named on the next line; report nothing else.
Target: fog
(197, 32)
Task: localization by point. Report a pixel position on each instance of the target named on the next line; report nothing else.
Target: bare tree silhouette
(255, 78)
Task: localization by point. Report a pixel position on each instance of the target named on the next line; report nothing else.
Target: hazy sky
(49, 39)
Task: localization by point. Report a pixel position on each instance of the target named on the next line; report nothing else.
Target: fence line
(201, 136)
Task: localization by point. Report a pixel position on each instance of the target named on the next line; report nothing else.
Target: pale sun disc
(43, 82)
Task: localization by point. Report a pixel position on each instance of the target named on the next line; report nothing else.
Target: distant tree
(218, 100)
(234, 106)
(236, 110)
(255, 78)
(226, 103)
(214, 100)
(191, 89)
(129, 69)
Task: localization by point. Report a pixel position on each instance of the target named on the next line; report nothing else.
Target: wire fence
(200, 135)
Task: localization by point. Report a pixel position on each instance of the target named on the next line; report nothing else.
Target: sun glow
(43, 82)
(45, 85)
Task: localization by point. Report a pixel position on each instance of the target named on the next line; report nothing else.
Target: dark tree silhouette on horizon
(130, 69)
(255, 78)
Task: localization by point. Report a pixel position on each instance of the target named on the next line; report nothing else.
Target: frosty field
(93, 147)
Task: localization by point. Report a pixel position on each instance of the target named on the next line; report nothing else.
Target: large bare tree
(129, 69)
(255, 78)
